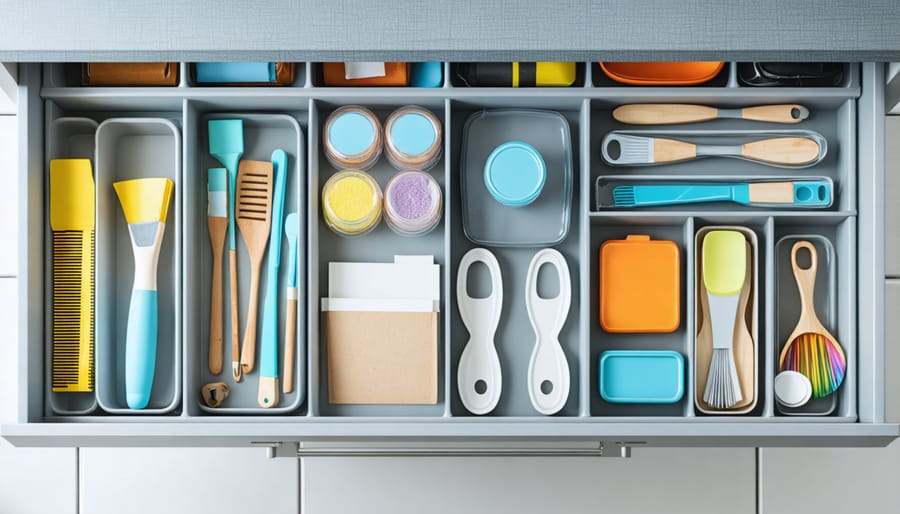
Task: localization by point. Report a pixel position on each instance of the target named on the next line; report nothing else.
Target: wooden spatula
(253, 215)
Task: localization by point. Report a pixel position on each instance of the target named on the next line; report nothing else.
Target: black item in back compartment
(791, 73)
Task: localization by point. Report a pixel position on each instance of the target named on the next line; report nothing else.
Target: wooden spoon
(253, 214)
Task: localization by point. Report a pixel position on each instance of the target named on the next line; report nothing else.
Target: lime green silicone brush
(724, 268)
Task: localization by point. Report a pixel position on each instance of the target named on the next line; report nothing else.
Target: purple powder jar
(412, 203)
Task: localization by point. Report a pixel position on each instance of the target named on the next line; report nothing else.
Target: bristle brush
(811, 349)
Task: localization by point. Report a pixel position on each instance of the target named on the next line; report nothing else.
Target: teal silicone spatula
(292, 231)
(226, 144)
(268, 353)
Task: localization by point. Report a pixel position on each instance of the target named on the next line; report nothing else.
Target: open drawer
(58, 119)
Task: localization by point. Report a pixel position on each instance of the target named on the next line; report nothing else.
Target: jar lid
(412, 133)
(515, 173)
(351, 133)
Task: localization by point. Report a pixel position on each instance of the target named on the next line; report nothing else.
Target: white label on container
(363, 70)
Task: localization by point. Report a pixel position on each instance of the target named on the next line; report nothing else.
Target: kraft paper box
(381, 328)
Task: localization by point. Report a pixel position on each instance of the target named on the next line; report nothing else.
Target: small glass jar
(515, 173)
(351, 203)
(413, 203)
(352, 138)
(413, 138)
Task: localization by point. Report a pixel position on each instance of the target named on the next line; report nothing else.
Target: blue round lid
(351, 133)
(515, 173)
(412, 134)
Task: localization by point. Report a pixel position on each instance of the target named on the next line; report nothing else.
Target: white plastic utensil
(548, 371)
(479, 378)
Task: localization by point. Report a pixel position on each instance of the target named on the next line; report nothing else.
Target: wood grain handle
(782, 150)
(248, 350)
(235, 324)
(215, 316)
(670, 150)
(663, 114)
(771, 192)
(785, 113)
(268, 392)
(805, 277)
(290, 342)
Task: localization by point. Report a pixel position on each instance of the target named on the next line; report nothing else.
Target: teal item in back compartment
(641, 376)
(426, 74)
(229, 72)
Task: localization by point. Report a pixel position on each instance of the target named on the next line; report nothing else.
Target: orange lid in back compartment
(661, 73)
(640, 285)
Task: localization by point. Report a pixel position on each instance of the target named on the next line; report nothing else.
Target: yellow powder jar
(351, 203)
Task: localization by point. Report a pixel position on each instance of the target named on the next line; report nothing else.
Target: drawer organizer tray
(61, 120)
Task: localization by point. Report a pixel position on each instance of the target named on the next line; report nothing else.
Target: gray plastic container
(543, 222)
(129, 148)
(66, 138)
(263, 133)
(845, 116)
(826, 296)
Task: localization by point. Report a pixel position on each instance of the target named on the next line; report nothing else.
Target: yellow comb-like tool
(72, 223)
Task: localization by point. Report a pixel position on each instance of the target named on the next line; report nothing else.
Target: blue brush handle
(681, 194)
(232, 197)
(140, 347)
(268, 356)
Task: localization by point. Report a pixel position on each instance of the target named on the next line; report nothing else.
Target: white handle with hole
(479, 378)
(548, 371)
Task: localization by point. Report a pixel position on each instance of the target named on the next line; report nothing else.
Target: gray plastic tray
(379, 245)
(545, 221)
(825, 302)
(129, 148)
(66, 138)
(587, 109)
(263, 133)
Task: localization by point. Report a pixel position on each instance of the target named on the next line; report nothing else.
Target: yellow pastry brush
(72, 224)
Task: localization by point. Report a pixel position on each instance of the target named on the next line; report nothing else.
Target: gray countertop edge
(57, 55)
(447, 30)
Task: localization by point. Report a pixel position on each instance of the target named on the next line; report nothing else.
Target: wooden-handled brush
(145, 203)
(620, 149)
(217, 218)
(253, 214)
(724, 272)
(226, 143)
(72, 222)
(292, 231)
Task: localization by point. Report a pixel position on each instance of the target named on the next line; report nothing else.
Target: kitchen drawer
(850, 117)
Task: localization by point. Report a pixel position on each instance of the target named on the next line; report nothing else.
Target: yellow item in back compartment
(72, 222)
(517, 74)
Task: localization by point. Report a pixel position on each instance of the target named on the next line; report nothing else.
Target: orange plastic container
(640, 285)
(661, 73)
